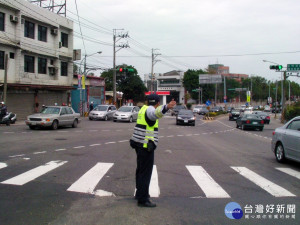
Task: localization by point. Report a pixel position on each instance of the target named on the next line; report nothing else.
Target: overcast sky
(190, 34)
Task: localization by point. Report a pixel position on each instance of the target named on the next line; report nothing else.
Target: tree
(129, 83)
(191, 81)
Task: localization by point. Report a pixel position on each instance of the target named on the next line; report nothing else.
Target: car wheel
(261, 129)
(31, 127)
(90, 118)
(8, 123)
(115, 121)
(237, 126)
(54, 125)
(279, 153)
(75, 123)
(194, 124)
(130, 119)
(177, 123)
(106, 118)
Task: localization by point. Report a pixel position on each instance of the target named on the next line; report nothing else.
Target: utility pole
(115, 40)
(276, 99)
(153, 62)
(5, 78)
(225, 97)
(283, 97)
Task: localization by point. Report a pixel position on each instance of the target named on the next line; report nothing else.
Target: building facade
(224, 71)
(38, 47)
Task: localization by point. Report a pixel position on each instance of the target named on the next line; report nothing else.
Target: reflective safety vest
(143, 133)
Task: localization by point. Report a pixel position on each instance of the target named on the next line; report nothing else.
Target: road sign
(293, 67)
(208, 103)
(210, 79)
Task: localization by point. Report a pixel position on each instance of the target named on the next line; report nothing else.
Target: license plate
(33, 123)
(185, 121)
(234, 117)
(254, 123)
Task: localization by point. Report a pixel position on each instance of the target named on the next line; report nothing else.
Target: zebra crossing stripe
(154, 190)
(2, 165)
(207, 183)
(262, 182)
(290, 171)
(87, 182)
(34, 173)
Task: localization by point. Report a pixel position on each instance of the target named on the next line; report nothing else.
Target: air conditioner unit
(54, 31)
(52, 70)
(14, 19)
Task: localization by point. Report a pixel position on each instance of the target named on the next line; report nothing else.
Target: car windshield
(198, 107)
(251, 116)
(101, 108)
(185, 113)
(125, 109)
(50, 110)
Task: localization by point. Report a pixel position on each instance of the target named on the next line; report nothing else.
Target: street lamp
(270, 61)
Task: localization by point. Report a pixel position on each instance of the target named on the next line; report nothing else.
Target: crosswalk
(88, 182)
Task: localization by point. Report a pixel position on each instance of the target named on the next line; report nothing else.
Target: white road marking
(87, 182)
(160, 136)
(2, 165)
(188, 135)
(36, 153)
(13, 156)
(112, 142)
(62, 131)
(61, 149)
(154, 190)
(123, 141)
(95, 145)
(207, 183)
(171, 136)
(290, 171)
(26, 158)
(34, 173)
(196, 134)
(79, 147)
(262, 182)
(180, 135)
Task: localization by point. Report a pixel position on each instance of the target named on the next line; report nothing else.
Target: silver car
(54, 116)
(102, 112)
(127, 113)
(286, 141)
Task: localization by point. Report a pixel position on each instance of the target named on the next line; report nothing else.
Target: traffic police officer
(144, 140)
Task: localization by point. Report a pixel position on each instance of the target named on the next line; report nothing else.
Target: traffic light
(126, 70)
(121, 69)
(276, 67)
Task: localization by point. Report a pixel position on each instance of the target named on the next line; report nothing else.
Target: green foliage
(188, 105)
(191, 81)
(129, 83)
(292, 111)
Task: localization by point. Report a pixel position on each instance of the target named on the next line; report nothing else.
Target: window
(63, 111)
(69, 110)
(42, 33)
(295, 125)
(64, 69)
(64, 39)
(2, 19)
(42, 66)
(29, 29)
(28, 64)
(1, 60)
(11, 55)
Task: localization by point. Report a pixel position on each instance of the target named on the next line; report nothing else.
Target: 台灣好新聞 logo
(233, 210)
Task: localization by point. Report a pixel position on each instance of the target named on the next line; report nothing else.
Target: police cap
(153, 99)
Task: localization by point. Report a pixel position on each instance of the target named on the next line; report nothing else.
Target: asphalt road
(86, 175)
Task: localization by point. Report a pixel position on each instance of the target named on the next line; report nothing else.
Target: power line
(80, 26)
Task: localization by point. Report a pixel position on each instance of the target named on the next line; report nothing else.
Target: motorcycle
(9, 118)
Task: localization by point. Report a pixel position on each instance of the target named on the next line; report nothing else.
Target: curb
(208, 118)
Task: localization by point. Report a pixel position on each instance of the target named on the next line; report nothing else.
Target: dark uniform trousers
(145, 161)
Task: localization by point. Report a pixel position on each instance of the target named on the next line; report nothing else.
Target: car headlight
(116, 114)
(179, 117)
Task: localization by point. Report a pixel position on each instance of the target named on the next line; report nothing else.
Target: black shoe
(146, 204)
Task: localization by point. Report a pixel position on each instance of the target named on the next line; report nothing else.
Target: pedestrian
(3, 110)
(91, 106)
(144, 140)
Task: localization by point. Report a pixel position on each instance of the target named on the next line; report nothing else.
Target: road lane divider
(262, 182)
(2, 165)
(87, 182)
(34, 173)
(290, 171)
(208, 185)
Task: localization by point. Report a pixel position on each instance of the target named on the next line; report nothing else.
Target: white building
(172, 81)
(39, 47)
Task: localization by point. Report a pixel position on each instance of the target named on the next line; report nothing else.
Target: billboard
(210, 79)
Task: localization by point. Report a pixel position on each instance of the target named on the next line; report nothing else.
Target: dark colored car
(229, 109)
(234, 114)
(263, 115)
(185, 117)
(250, 121)
(176, 109)
(216, 109)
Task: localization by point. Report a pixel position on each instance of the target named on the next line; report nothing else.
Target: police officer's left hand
(171, 104)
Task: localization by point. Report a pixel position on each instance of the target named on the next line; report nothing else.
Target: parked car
(234, 114)
(126, 113)
(250, 121)
(286, 141)
(229, 109)
(263, 115)
(176, 109)
(203, 110)
(185, 117)
(102, 112)
(54, 117)
(216, 109)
